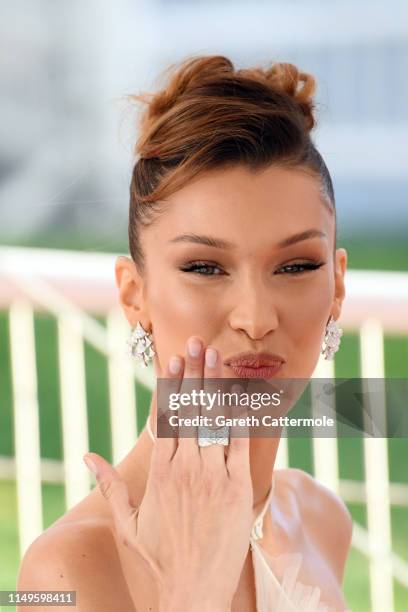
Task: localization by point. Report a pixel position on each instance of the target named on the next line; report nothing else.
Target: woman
(232, 235)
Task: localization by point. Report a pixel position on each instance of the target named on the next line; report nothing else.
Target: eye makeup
(203, 268)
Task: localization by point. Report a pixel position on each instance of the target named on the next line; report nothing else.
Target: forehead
(246, 206)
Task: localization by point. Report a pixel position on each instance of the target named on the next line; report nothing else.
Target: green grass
(373, 254)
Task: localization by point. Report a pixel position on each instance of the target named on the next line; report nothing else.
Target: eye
(202, 268)
(300, 268)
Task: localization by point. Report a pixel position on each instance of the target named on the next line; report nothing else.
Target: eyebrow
(219, 243)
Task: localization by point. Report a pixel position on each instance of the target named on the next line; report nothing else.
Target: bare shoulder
(324, 514)
(311, 493)
(80, 556)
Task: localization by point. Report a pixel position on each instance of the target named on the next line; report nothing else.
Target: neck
(134, 468)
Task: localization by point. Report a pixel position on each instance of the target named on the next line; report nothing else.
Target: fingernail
(210, 357)
(175, 365)
(194, 347)
(90, 464)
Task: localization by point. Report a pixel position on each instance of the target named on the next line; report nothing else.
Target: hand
(194, 522)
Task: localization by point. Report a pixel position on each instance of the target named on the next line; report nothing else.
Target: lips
(255, 365)
(254, 360)
(264, 372)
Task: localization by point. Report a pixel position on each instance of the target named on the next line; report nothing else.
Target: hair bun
(183, 77)
(190, 78)
(286, 77)
(191, 73)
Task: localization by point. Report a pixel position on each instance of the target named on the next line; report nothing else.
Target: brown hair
(210, 115)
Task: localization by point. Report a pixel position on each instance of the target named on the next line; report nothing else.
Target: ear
(340, 290)
(131, 290)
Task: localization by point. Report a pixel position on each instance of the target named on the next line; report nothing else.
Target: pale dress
(276, 578)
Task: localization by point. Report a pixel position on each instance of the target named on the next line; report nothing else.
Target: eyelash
(195, 266)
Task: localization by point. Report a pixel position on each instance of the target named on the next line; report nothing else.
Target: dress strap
(257, 532)
(149, 429)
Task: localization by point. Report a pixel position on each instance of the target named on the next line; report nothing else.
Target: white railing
(70, 285)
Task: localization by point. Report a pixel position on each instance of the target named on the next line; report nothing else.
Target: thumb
(114, 489)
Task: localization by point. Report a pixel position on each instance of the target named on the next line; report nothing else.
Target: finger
(238, 465)
(212, 457)
(114, 489)
(192, 382)
(170, 382)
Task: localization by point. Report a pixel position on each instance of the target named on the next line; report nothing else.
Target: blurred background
(65, 161)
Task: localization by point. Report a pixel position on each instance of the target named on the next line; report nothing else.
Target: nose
(255, 309)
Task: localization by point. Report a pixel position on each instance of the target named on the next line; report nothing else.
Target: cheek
(179, 312)
(313, 309)
(305, 321)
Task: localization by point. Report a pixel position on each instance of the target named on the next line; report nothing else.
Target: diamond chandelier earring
(140, 345)
(331, 339)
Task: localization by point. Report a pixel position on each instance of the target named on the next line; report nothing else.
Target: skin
(250, 301)
(249, 307)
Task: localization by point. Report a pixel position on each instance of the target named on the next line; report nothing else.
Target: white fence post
(26, 422)
(282, 456)
(377, 480)
(122, 398)
(325, 454)
(73, 406)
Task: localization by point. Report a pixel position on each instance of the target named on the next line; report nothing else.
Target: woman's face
(253, 292)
